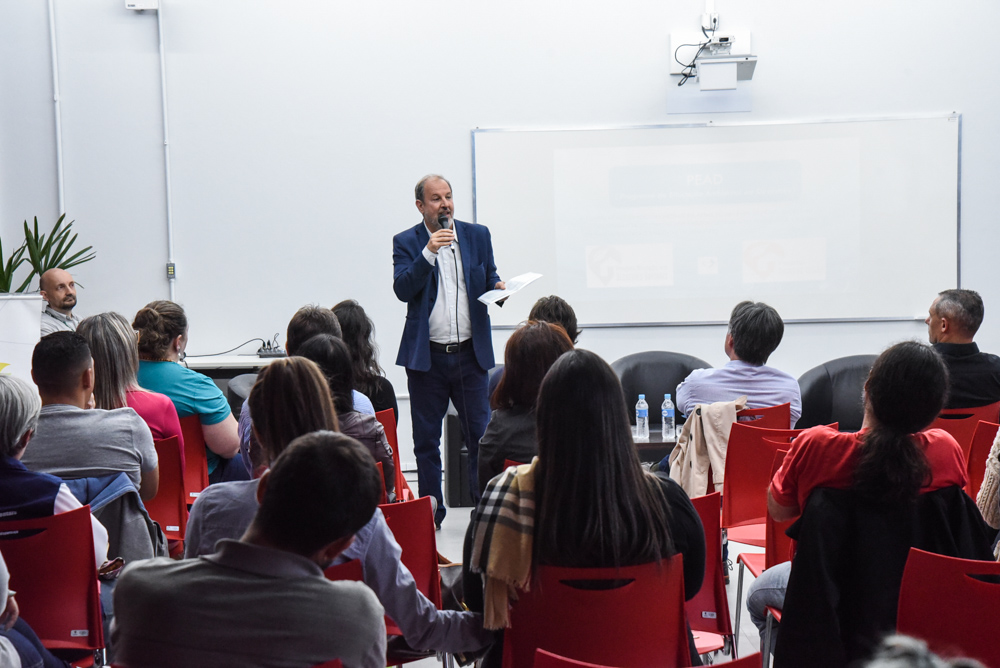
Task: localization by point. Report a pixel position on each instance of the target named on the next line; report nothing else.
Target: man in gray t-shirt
(74, 441)
(263, 601)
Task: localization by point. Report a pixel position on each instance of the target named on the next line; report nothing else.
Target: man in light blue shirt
(755, 330)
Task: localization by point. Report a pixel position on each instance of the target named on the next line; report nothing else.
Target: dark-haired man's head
(331, 475)
(307, 322)
(955, 316)
(755, 330)
(63, 369)
(557, 311)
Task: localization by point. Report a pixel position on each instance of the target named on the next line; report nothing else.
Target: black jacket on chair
(843, 589)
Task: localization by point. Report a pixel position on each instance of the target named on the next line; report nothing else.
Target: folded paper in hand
(515, 284)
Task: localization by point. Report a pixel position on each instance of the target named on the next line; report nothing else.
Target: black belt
(451, 347)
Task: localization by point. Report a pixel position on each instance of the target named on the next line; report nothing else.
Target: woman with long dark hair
(593, 503)
(510, 434)
(892, 460)
(359, 336)
(334, 361)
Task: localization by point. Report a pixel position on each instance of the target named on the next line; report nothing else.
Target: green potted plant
(44, 251)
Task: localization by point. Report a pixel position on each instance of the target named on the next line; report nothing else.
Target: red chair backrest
(545, 659)
(330, 664)
(388, 421)
(195, 461)
(51, 565)
(943, 603)
(771, 417)
(777, 546)
(708, 610)
(383, 498)
(507, 463)
(749, 456)
(982, 441)
(169, 507)
(412, 525)
(961, 422)
(640, 622)
(349, 570)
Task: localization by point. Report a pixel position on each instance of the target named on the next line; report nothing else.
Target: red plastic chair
(943, 602)
(349, 570)
(777, 547)
(507, 463)
(545, 659)
(388, 420)
(195, 460)
(169, 507)
(708, 610)
(383, 498)
(330, 664)
(982, 441)
(771, 417)
(748, 472)
(961, 422)
(51, 564)
(638, 623)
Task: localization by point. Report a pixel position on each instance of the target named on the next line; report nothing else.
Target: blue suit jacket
(415, 282)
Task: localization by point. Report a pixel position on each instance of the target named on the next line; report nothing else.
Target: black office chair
(832, 392)
(654, 373)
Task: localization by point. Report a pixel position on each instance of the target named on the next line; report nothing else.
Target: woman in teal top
(162, 328)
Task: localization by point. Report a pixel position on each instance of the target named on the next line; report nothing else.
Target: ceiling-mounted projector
(721, 70)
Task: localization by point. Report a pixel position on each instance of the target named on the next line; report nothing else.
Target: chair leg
(765, 651)
(447, 661)
(739, 607)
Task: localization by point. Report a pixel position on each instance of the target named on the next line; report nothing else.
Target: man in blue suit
(440, 268)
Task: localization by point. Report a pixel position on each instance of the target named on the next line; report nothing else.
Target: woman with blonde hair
(114, 347)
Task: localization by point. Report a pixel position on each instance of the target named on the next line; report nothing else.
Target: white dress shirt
(449, 319)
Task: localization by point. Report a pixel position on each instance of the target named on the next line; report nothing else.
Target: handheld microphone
(445, 223)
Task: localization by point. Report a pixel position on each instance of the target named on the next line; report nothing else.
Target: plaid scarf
(502, 541)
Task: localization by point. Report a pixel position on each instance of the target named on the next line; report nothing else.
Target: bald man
(59, 292)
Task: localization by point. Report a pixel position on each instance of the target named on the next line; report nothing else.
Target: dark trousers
(458, 377)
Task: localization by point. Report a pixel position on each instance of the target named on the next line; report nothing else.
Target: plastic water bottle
(669, 423)
(642, 419)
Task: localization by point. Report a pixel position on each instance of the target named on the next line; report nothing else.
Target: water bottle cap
(642, 396)
(666, 396)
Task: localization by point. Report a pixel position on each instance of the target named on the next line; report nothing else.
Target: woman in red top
(114, 347)
(891, 458)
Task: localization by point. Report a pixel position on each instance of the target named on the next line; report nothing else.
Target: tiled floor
(452, 535)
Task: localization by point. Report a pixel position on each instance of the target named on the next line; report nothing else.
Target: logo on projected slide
(630, 266)
(784, 260)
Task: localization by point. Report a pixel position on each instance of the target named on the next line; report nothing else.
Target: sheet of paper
(515, 284)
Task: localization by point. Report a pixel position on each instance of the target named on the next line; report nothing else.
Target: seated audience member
(359, 335)
(163, 337)
(293, 400)
(59, 292)
(19, 645)
(510, 434)
(595, 505)
(263, 600)
(891, 458)
(291, 395)
(557, 311)
(952, 322)
(547, 309)
(28, 494)
(73, 442)
(307, 322)
(334, 361)
(114, 345)
(755, 330)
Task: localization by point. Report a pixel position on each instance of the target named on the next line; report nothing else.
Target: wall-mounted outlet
(710, 21)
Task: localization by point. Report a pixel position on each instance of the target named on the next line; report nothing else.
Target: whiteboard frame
(710, 123)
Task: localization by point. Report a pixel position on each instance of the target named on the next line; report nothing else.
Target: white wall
(313, 123)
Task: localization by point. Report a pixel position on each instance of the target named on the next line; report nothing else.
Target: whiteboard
(836, 220)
